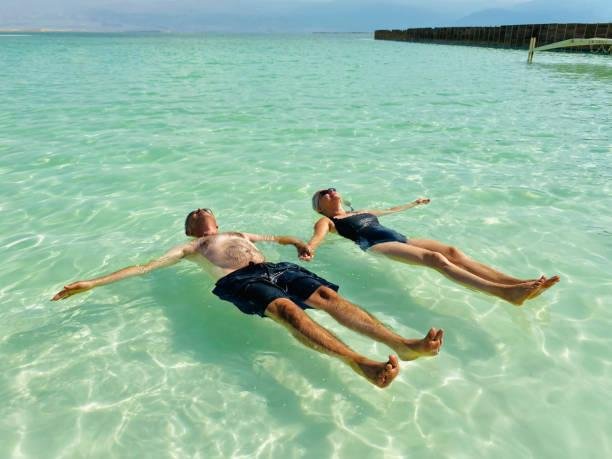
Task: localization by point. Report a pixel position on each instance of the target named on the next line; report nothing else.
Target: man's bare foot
(518, 294)
(380, 373)
(426, 347)
(546, 284)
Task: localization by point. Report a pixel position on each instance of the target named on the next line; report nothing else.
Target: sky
(290, 15)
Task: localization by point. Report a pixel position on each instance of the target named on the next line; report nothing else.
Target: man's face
(202, 222)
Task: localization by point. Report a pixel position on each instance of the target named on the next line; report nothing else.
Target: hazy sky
(284, 15)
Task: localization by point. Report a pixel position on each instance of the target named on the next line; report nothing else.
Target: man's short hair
(188, 221)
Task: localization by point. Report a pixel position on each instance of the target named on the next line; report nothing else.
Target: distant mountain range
(325, 18)
(541, 12)
(332, 16)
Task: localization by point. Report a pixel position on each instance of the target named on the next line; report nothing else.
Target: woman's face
(328, 199)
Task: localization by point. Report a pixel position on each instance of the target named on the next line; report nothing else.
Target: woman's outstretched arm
(321, 228)
(391, 210)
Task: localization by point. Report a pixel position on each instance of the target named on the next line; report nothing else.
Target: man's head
(200, 222)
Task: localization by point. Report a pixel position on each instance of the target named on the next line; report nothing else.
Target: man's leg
(289, 314)
(355, 318)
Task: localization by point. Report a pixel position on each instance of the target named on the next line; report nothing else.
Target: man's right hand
(73, 289)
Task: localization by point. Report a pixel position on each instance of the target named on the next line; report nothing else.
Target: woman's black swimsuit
(366, 230)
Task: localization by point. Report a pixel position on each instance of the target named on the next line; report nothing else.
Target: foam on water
(107, 141)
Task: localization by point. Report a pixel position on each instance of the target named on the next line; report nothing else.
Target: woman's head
(326, 201)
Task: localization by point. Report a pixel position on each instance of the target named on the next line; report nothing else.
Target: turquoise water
(107, 141)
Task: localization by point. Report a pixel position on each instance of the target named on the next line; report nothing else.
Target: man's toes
(390, 372)
(386, 376)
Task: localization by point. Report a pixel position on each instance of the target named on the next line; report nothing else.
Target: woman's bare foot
(426, 347)
(518, 294)
(513, 282)
(380, 373)
(546, 284)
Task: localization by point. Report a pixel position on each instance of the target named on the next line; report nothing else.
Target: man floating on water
(280, 291)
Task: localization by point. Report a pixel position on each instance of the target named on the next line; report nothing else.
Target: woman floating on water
(362, 226)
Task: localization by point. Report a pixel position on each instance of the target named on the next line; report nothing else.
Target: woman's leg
(407, 253)
(460, 259)
(457, 257)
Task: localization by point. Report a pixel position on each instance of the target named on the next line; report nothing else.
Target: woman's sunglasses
(324, 192)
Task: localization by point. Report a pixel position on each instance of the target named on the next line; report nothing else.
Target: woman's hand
(305, 252)
(73, 289)
(416, 202)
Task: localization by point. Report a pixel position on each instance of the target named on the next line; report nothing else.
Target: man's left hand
(304, 252)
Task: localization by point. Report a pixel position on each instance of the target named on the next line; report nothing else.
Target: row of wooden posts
(505, 36)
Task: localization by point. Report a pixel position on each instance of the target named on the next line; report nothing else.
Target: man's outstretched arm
(302, 248)
(171, 257)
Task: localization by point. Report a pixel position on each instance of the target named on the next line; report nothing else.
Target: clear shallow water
(107, 141)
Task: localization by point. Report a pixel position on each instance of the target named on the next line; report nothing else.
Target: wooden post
(532, 45)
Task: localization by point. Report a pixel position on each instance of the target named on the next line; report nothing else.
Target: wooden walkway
(505, 36)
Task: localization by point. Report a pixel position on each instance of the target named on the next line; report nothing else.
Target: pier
(507, 36)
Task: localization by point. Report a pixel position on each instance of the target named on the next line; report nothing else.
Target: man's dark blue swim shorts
(255, 286)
